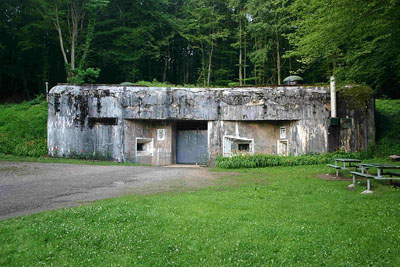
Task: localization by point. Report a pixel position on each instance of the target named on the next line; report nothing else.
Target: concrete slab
(182, 166)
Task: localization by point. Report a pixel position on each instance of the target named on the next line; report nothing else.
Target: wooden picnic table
(343, 167)
(379, 168)
(379, 176)
(350, 161)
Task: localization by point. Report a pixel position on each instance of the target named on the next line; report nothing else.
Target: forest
(206, 43)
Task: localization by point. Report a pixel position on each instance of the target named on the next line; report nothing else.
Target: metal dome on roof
(126, 83)
(293, 79)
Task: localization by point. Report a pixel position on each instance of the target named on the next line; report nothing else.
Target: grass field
(47, 159)
(270, 216)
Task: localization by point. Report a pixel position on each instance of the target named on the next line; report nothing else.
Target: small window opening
(283, 132)
(140, 147)
(244, 147)
(237, 145)
(102, 121)
(144, 146)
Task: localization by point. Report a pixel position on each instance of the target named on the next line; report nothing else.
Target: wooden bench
(334, 167)
(365, 175)
(390, 178)
(347, 164)
(370, 176)
(391, 174)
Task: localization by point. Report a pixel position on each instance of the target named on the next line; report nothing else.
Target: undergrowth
(263, 160)
(387, 118)
(23, 128)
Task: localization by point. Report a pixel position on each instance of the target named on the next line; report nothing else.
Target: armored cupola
(293, 79)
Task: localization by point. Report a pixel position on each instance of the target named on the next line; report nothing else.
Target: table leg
(368, 191)
(353, 185)
(379, 172)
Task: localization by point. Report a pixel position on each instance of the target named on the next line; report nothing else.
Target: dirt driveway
(31, 187)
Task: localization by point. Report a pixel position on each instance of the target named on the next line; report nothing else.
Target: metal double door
(191, 146)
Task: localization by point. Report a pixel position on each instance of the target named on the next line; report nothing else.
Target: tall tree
(269, 25)
(348, 37)
(74, 21)
(203, 30)
(239, 14)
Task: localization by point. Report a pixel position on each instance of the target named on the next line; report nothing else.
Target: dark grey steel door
(191, 145)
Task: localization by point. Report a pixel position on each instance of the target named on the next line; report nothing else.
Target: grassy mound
(23, 128)
(387, 117)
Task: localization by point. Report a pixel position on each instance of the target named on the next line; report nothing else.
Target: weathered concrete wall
(104, 121)
(233, 104)
(68, 129)
(356, 130)
(263, 134)
(162, 151)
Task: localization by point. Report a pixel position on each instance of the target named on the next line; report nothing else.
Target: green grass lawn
(48, 159)
(271, 216)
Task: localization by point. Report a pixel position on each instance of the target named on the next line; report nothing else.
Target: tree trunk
(255, 62)
(60, 37)
(240, 53)
(278, 61)
(164, 78)
(74, 33)
(245, 56)
(186, 80)
(88, 41)
(209, 63)
(264, 60)
(202, 67)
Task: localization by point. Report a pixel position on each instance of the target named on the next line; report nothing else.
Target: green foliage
(264, 160)
(97, 155)
(260, 217)
(354, 40)
(156, 83)
(387, 117)
(79, 76)
(23, 128)
(356, 97)
(198, 42)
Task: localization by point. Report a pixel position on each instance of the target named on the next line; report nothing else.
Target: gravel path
(27, 187)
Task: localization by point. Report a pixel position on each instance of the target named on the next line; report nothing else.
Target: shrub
(387, 117)
(263, 160)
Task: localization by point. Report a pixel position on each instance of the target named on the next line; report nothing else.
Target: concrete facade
(141, 124)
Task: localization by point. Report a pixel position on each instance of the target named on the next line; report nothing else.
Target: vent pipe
(333, 97)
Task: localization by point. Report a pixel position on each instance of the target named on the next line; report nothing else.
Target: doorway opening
(191, 142)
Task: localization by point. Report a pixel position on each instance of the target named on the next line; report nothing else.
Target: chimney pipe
(333, 97)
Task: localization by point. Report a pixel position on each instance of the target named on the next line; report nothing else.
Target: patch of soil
(330, 177)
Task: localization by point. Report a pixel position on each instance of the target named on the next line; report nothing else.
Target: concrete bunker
(162, 126)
